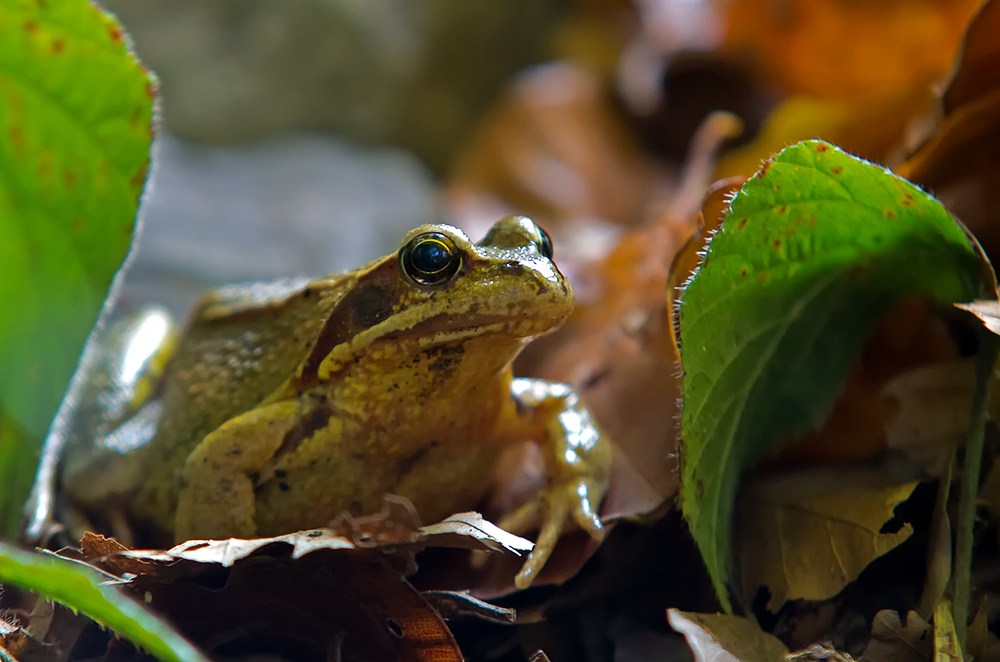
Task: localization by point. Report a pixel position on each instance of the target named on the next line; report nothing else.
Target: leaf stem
(990, 345)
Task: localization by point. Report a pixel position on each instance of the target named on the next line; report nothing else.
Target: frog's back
(240, 344)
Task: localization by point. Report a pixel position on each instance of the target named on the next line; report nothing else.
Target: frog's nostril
(542, 290)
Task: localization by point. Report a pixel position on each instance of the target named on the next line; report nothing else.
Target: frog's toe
(585, 509)
(557, 512)
(558, 506)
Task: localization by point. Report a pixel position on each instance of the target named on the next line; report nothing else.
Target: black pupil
(546, 244)
(430, 256)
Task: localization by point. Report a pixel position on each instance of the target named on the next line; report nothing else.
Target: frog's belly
(438, 480)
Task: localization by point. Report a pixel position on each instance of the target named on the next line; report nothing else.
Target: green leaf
(75, 131)
(83, 589)
(813, 250)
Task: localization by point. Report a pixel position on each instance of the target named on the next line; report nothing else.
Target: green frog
(283, 405)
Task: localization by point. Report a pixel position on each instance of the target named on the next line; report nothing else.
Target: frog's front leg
(578, 464)
(217, 489)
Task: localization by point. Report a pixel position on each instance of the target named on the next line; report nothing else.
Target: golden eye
(430, 259)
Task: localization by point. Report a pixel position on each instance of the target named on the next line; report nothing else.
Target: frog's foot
(553, 508)
(578, 459)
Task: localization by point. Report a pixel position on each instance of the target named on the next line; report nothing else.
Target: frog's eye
(430, 259)
(546, 243)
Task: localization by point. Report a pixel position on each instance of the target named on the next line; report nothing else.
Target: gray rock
(410, 72)
(299, 204)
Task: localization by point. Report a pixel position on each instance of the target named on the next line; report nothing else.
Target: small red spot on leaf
(764, 168)
(150, 89)
(16, 136)
(836, 170)
(69, 177)
(58, 45)
(139, 178)
(890, 213)
(116, 32)
(777, 244)
(44, 164)
(821, 147)
(780, 209)
(906, 201)
(743, 221)
(30, 26)
(743, 272)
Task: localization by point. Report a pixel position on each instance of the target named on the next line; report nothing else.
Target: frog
(285, 404)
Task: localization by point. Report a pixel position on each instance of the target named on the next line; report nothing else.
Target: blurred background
(307, 136)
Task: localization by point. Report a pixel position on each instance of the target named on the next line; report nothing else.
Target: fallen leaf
(894, 641)
(812, 252)
(960, 160)
(870, 130)
(809, 534)
(725, 638)
(825, 48)
(554, 148)
(932, 412)
(464, 531)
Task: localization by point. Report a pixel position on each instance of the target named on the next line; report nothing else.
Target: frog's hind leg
(217, 491)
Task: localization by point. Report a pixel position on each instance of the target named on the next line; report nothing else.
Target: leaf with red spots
(75, 131)
(813, 251)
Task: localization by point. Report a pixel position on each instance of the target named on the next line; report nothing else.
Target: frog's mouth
(446, 328)
(434, 331)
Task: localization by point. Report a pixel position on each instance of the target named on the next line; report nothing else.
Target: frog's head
(440, 287)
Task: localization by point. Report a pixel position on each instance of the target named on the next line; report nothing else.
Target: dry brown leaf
(960, 161)
(326, 605)
(893, 641)
(726, 638)
(554, 148)
(932, 412)
(808, 534)
(869, 130)
(846, 50)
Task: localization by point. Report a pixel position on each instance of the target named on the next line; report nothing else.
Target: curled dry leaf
(726, 638)
(464, 530)
(336, 592)
(808, 534)
(618, 350)
(960, 160)
(895, 641)
(553, 148)
(932, 412)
